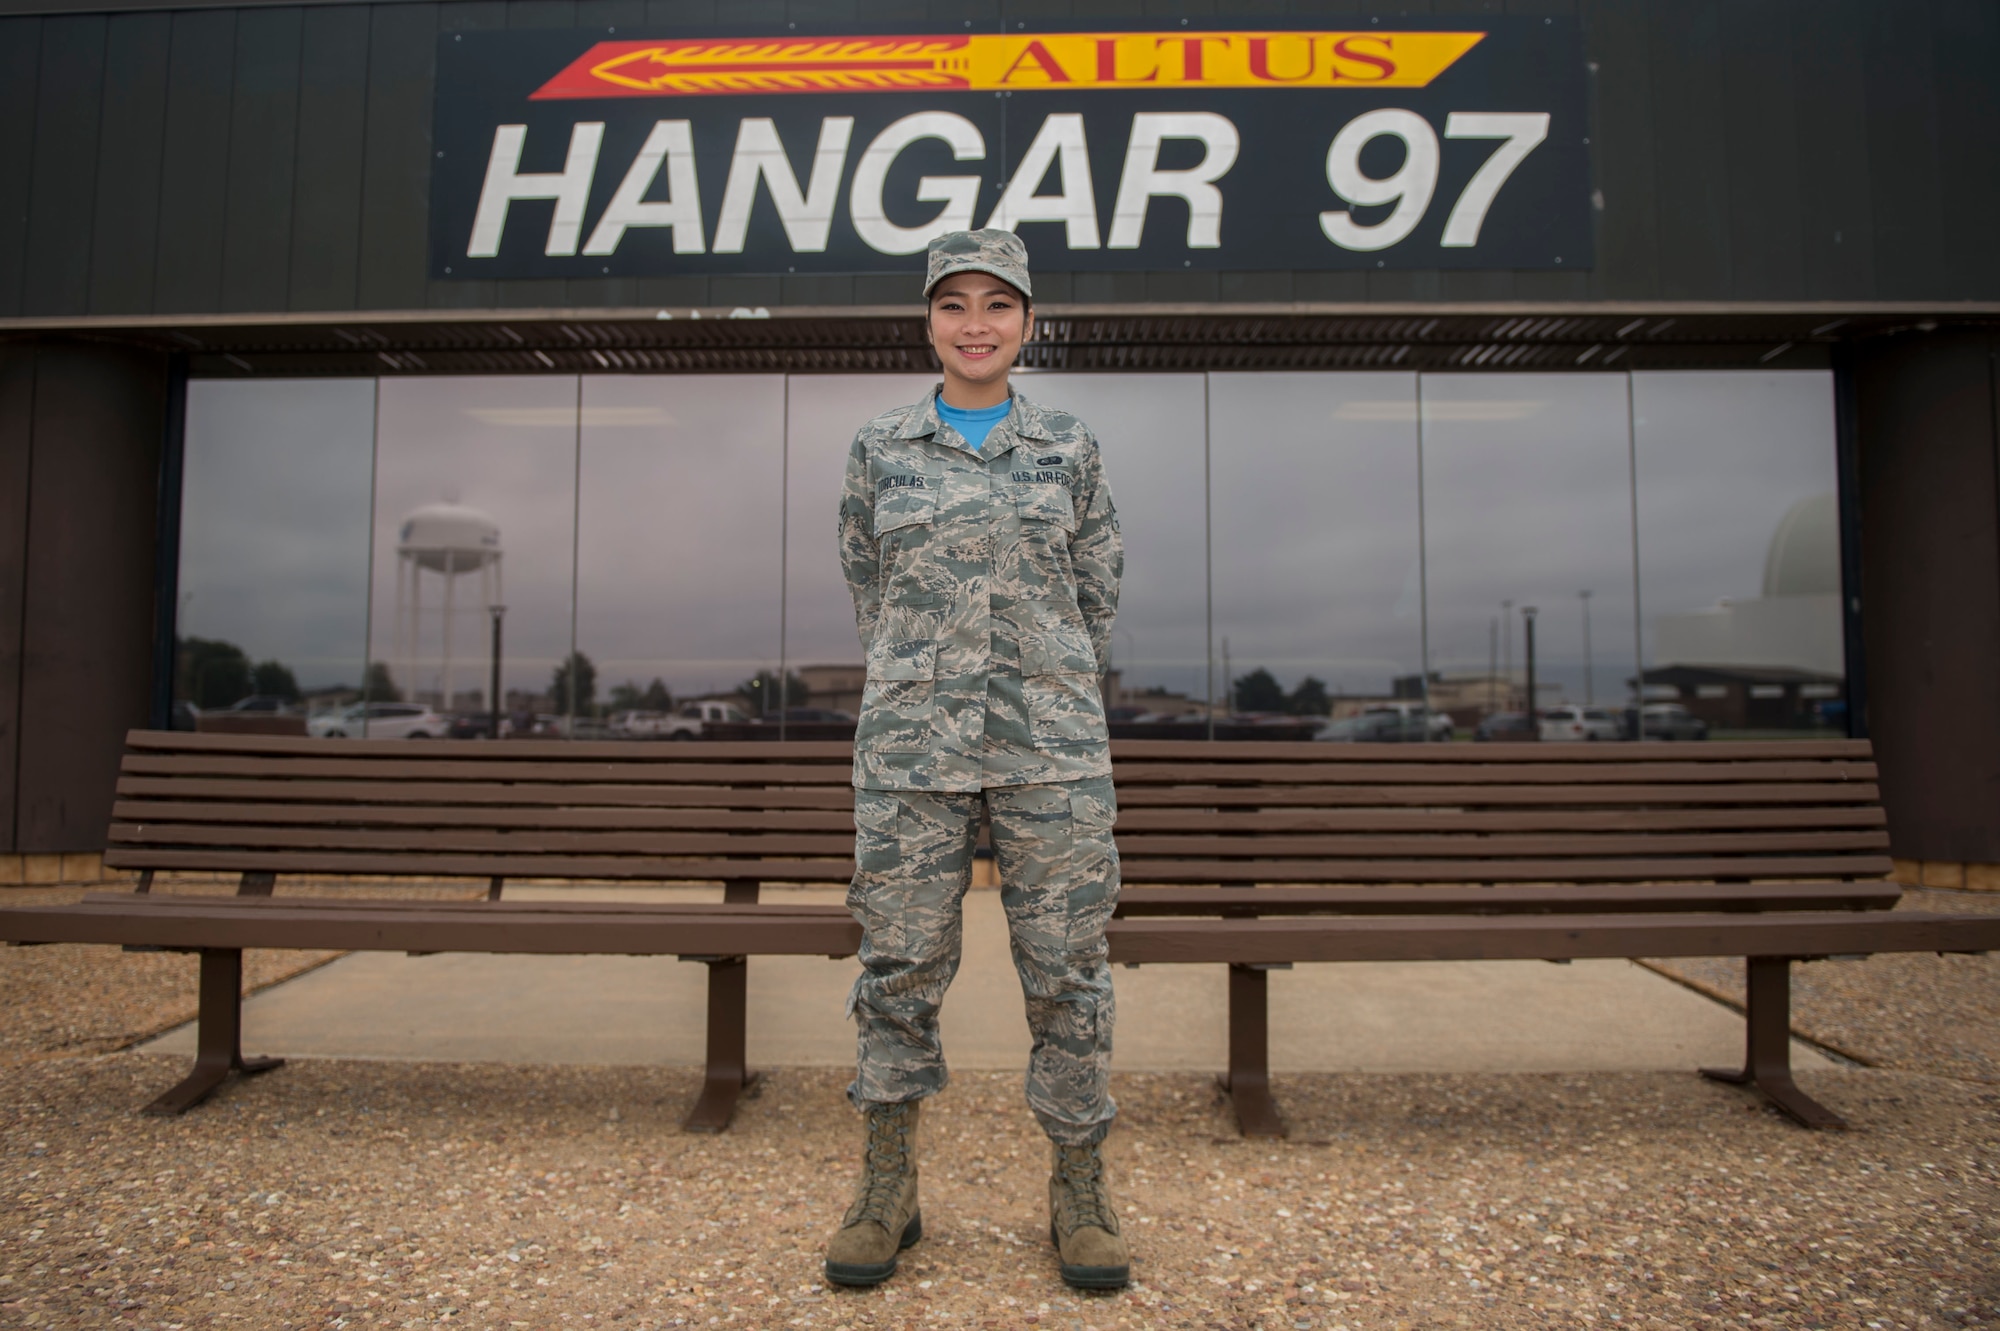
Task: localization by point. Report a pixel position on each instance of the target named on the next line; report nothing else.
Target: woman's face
(977, 326)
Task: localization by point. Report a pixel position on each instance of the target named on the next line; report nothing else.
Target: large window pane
(475, 505)
(1528, 502)
(1314, 484)
(678, 533)
(821, 645)
(274, 538)
(1739, 548)
(1149, 427)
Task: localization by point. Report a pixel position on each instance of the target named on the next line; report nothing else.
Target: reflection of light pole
(499, 612)
(1507, 657)
(1528, 650)
(1492, 661)
(1589, 694)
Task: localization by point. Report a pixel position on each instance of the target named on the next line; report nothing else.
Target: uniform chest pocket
(897, 697)
(1045, 501)
(1059, 685)
(905, 499)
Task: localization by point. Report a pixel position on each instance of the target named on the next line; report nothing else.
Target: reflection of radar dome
(449, 538)
(1804, 558)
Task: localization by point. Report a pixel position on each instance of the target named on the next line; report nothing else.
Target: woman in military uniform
(980, 542)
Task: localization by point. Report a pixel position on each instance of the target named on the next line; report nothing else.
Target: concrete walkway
(1491, 1016)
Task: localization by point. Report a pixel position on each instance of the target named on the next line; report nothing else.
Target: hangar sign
(1366, 148)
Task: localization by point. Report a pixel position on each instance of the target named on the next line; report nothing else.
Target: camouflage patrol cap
(988, 250)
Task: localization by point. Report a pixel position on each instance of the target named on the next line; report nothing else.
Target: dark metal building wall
(1930, 534)
(17, 406)
(85, 621)
(277, 157)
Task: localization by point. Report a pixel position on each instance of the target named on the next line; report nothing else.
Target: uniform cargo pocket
(896, 700)
(1059, 684)
(877, 846)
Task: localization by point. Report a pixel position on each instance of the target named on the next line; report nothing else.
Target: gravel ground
(332, 1194)
(337, 1193)
(1907, 1010)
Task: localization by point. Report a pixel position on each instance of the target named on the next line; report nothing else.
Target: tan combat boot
(1082, 1223)
(884, 1218)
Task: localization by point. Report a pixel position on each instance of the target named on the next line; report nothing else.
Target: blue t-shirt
(974, 423)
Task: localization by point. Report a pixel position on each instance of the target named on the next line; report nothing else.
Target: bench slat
(497, 817)
(494, 928)
(421, 842)
(401, 865)
(1134, 902)
(1363, 796)
(1549, 937)
(1538, 845)
(418, 768)
(1182, 750)
(837, 753)
(491, 792)
(150, 902)
(1139, 773)
(1383, 821)
(1506, 871)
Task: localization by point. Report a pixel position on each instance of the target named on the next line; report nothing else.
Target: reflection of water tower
(451, 541)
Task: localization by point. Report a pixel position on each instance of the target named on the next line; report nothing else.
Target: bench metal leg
(728, 1020)
(218, 1034)
(1248, 1080)
(1767, 1055)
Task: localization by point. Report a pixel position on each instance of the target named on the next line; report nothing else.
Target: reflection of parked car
(814, 715)
(638, 724)
(1439, 723)
(689, 722)
(1374, 728)
(259, 702)
(470, 725)
(184, 716)
(384, 720)
(1503, 726)
(1569, 721)
(1670, 720)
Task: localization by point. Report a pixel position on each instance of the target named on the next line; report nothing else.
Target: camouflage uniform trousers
(1059, 884)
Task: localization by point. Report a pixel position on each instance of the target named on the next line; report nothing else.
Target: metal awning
(860, 340)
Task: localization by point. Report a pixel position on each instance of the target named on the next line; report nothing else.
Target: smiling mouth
(977, 353)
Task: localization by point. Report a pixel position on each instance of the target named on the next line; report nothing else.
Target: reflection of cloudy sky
(1527, 498)
(1315, 496)
(677, 571)
(1722, 459)
(274, 521)
(1314, 501)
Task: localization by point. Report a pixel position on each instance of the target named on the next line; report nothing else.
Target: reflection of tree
(1309, 699)
(381, 685)
(762, 691)
(629, 697)
(1259, 691)
(574, 687)
(275, 680)
(213, 673)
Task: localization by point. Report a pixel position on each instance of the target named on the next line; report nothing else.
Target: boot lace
(1084, 1203)
(883, 1165)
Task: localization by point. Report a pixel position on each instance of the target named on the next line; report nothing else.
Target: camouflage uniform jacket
(984, 587)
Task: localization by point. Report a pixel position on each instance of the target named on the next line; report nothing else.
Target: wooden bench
(1260, 855)
(549, 811)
